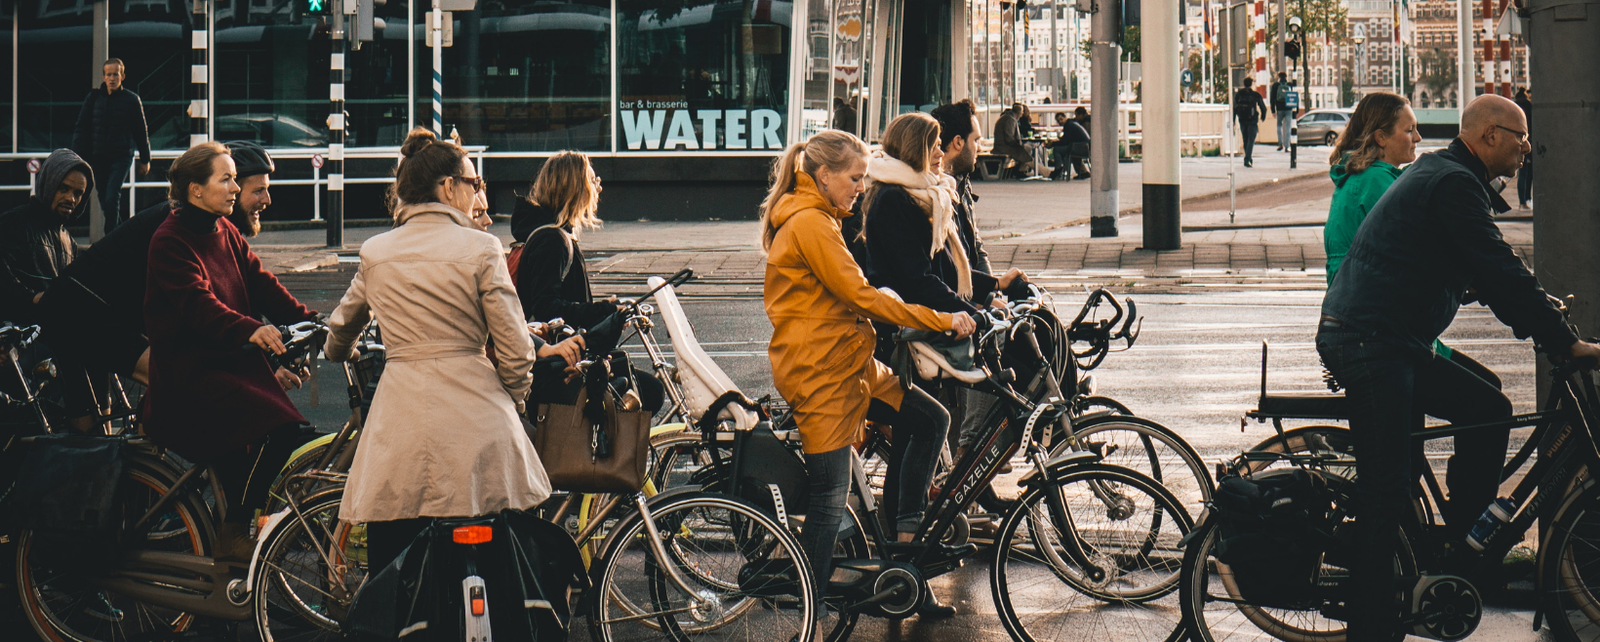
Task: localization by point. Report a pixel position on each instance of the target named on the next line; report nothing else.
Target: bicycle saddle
(936, 356)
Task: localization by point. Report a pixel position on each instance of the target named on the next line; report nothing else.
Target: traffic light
(1291, 50)
(315, 7)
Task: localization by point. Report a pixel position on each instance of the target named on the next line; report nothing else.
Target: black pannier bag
(67, 487)
(1272, 530)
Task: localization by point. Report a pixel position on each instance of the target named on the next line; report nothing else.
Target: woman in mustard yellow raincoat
(821, 309)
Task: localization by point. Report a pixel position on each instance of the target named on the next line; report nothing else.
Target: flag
(1207, 15)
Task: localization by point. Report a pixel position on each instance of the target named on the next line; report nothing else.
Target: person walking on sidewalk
(1249, 110)
(820, 305)
(110, 128)
(1524, 100)
(1281, 109)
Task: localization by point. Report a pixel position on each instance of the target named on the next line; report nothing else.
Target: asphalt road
(1196, 368)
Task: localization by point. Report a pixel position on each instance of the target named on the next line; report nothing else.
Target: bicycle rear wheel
(59, 581)
(1126, 524)
(747, 574)
(310, 569)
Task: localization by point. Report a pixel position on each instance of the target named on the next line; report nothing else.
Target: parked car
(1322, 126)
(271, 130)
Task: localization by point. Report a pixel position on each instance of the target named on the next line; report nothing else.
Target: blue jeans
(109, 175)
(918, 435)
(1390, 388)
(1285, 118)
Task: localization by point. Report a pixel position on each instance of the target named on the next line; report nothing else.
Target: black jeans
(1062, 156)
(109, 174)
(919, 428)
(1247, 130)
(1390, 388)
(247, 475)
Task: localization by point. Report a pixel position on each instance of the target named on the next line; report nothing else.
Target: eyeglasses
(1522, 137)
(475, 181)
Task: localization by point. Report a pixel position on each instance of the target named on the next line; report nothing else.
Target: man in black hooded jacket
(34, 249)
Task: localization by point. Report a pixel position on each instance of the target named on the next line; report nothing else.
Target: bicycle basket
(67, 486)
(1272, 531)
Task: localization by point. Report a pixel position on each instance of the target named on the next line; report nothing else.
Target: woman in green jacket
(1381, 137)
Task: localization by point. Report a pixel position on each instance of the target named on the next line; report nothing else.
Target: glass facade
(523, 75)
(271, 75)
(703, 74)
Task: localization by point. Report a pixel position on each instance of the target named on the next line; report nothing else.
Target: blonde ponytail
(830, 148)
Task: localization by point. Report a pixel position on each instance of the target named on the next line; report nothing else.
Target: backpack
(1272, 531)
(1244, 109)
(514, 259)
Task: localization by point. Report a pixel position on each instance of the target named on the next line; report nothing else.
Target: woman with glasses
(443, 438)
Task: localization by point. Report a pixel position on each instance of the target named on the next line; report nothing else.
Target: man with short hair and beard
(958, 137)
(100, 298)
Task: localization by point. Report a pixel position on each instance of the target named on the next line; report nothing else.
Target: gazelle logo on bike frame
(989, 456)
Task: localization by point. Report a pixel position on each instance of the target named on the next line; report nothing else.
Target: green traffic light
(316, 5)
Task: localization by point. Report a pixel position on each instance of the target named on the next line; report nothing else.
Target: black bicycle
(1221, 602)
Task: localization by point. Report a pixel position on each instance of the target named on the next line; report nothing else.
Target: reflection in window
(272, 76)
(524, 75)
(702, 74)
(152, 39)
(51, 86)
(6, 106)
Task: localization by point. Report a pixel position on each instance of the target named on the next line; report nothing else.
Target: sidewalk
(1038, 226)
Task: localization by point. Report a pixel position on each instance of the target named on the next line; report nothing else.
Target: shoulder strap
(565, 240)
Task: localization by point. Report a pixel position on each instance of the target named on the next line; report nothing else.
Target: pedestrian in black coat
(1249, 109)
(110, 128)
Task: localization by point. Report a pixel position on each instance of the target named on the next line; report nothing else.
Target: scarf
(935, 193)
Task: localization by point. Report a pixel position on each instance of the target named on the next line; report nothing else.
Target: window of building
(9, 109)
(272, 80)
(152, 39)
(54, 40)
(702, 75)
(524, 75)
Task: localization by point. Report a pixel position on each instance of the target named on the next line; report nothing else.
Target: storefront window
(152, 39)
(375, 82)
(55, 48)
(850, 28)
(6, 112)
(703, 74)
(523, 75)
(271, 76)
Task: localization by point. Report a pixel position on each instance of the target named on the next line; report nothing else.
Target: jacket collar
(408, 212)
(1461, 154)
(808, 196)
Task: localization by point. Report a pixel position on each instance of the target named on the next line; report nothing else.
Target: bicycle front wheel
(1100, 564)
(1148, 447)
(723, 570)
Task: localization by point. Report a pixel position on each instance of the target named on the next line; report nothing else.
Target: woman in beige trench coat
(443, 438)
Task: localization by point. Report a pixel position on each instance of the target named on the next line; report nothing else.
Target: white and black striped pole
(336, 124)
(436, 36)
(1159, 50)
(199, 42)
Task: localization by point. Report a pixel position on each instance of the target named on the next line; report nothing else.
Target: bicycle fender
(1059, 464)
(319, 442)
(273, 521)
(657, 431)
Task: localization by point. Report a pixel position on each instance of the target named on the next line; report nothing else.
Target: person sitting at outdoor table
(1024, 120)
(1072, 132)
(1008, 141)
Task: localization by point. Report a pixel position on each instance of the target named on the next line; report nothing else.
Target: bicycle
(1558, 489)
(1065, 531)
(157, 579)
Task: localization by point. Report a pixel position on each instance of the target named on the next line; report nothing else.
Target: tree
(1130, 45)
(1347, 88)
(1437, 71)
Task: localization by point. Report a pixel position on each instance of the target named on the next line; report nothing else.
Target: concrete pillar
(1465, 68)
(1564, 46)
(1159, 51)
(1106, 35)
(100, 45)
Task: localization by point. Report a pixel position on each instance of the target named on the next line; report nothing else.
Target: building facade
(682, 105)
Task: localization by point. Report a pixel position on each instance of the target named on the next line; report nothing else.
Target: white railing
(317, 180)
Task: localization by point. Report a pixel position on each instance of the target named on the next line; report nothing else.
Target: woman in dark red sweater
(209, 400)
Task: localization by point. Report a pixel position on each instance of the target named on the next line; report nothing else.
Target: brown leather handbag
(592, 445)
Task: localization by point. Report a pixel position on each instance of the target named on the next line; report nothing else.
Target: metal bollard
(1294, 148)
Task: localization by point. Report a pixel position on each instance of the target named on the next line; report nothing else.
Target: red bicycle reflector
(472, 535)
(477, 606)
